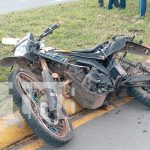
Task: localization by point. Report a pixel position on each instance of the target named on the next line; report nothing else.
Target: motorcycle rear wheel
(55, 135)
(141, 95)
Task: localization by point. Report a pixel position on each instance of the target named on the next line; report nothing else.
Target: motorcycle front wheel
(26, 94)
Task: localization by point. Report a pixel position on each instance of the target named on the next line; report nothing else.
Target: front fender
(9, 61)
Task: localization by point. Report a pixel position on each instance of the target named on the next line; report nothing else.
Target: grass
(84, 24)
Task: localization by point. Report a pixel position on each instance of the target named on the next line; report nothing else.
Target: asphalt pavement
(15, 5)
(126, 128)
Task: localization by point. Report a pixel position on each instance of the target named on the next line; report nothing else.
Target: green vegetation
(84, 24)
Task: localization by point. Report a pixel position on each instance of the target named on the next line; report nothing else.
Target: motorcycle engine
(91, 86)
(96, 82)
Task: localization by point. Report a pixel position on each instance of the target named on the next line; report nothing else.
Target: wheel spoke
(34, 94)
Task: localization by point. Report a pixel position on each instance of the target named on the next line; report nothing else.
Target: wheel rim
(33, 95)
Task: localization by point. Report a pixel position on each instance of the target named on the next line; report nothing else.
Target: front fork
(49, 87)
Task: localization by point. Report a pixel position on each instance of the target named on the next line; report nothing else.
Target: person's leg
(110, 4)
(143, 4)
(116, 3)
(122, 4)
(101, 3)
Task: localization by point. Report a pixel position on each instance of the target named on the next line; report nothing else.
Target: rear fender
(137, 79)
(137, 49)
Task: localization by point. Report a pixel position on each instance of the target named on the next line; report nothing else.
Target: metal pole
(143, 4)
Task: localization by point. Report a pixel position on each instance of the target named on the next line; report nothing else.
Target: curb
(71, 107)
(13, 128)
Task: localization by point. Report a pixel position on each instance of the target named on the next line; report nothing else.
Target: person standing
(115, 2)
(122, 4)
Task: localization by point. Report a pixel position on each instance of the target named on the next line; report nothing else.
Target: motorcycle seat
(94, 53)
(92, 50)
(100, 51)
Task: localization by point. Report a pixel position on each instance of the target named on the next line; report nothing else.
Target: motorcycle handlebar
(48, 31)
(55, 26)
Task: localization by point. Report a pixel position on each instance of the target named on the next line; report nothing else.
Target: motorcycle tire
(140, 95)
(42, 130)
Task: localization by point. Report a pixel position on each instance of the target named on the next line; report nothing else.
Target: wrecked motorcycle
(92, 73)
